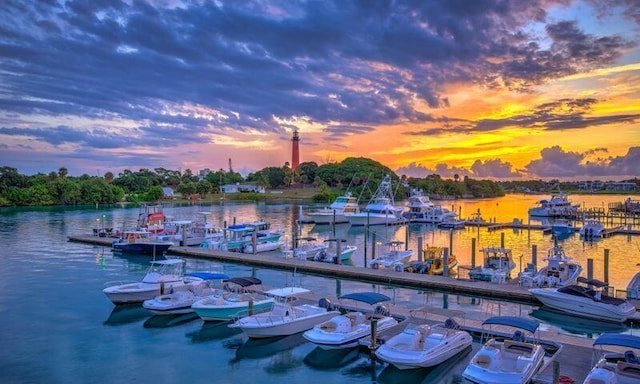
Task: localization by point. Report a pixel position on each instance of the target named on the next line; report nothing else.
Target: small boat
(512, 361)
(263, 246)
(418, 206)
(328, 255)
(236, 301)
(558, 205)
(558, 272)
(285, 318)
(380, 210)
(237, 237)
(496, 266)
(163, 276)
(420, 346)
(586, 300)
(395, 257)
(344, 331)
(180, 302)
(633, 288)
(306, 248)
(592, 229)
(562, 227)
(433, 260)
(151, 218)
(337, 211)
(450, 222)
(616, 367)
(141, 242)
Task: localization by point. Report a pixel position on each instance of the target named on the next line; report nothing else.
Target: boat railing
(119, 282)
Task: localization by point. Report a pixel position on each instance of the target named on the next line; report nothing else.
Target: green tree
(203, 187)
(155, 193)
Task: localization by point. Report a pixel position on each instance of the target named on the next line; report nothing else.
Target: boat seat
(630, 357)
(628, 370)
(517, 347)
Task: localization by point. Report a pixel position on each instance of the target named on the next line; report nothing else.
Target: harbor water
(59, 327)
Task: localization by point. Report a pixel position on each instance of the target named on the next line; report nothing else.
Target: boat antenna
(393, 196)
(366, 183)
(351, 182)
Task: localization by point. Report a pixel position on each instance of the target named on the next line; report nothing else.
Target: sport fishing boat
(558, 205)
(616, 367)
(337, 212)
(558, 272)
(395, 257)
(496, 266)
(592, 229)
(285, 318)
(163, 276)
(514, 360)
(420, 346)
(418, 206)
(344, 331)
(380, 210)
(586, 300)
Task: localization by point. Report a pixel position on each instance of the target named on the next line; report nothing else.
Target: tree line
(360, 176)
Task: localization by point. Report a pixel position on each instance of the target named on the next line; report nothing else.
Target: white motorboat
(344, 331)
(591, 229)
(337, 211)
(558, 272)
(616, 367)
(419, 207)
(263, 246)
(395, 257)
(328, 255)
(512, 361)
(558, 205)
(420, 346)
(236, 301)
(562, 226)
(237, 237)
(380, 210)
(633, 288)
(163, 276)
(306, 248)
(180, 302)
(141, 242)
(496, 266)
(450, 222)
(587, 300)
(285, 318)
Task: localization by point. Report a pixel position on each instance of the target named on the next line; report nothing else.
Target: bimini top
(618, 339)
(513, 321)
(594, 282)
(245, 281)
(366, 297)
(286, 291)
(209, 275)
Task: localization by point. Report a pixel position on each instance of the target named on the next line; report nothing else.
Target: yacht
(586, 300)
(285, 318)
(345, 331)
(163, 276)
(380, 210)
(616, 367)
(592, 229)
(418, 206)
(337, 211)
(496, 266)
(514, 360)
(558, 272)
(395, 257)
(421, 346)
(558, 205)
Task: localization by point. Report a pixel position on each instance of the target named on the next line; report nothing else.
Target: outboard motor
(325, 303)
(381, 310)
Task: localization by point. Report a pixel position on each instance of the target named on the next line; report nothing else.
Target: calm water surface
(59, 327)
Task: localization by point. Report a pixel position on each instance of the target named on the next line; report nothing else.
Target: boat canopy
(513, 321)
(245, 281)
(286, 292)
(366, 297)
(618, 339)
(209, 275)
(594, 282)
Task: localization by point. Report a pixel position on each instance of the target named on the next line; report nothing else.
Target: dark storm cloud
(359, 63)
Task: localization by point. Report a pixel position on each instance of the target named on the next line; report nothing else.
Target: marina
(207, 347)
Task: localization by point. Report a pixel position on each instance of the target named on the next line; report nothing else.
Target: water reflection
(329, 359)
(213, 330)
(166, 321)
(261, 348)
(577, 325)
(126, 313)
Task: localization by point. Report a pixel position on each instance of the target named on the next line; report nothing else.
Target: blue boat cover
(514, 321)
(209, 275)
(618, 339)
(366, 297)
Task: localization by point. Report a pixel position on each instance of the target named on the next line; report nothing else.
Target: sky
(500, 89)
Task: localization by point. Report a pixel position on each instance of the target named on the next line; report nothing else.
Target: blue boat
(141, 242)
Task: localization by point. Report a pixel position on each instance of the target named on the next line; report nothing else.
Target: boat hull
(267, 326)
(328, 218)
(139, 292)
(583, 306)
(361, 219)
(142, 248)
(230, 312)
(336, 340)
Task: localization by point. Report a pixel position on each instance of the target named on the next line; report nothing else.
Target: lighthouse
(295, 151)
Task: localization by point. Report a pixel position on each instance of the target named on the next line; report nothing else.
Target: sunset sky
(484, 88)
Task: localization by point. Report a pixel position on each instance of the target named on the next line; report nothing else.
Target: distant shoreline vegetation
(318, 183)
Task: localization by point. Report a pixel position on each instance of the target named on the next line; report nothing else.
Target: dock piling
(590, 269)
(373, 245)
(502, 240)
(606, 265)
(338, 251)
(374, 331)
(534, 254)
(420, 249)
(445, 263)
(473, 252)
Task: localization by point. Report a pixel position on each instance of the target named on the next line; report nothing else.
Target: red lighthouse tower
(295, 152)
